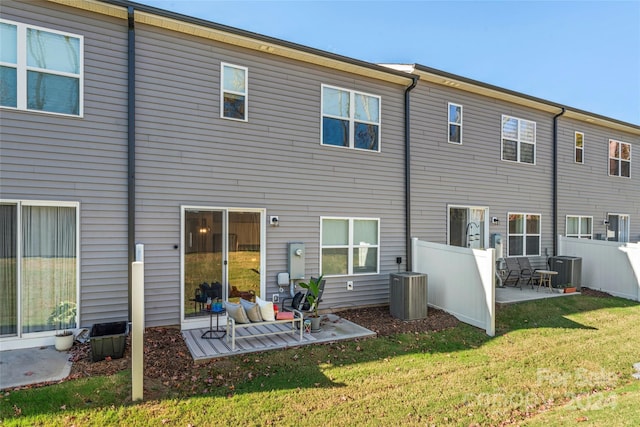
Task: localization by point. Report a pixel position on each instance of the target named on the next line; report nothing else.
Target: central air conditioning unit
(408, 295)
(569, 270)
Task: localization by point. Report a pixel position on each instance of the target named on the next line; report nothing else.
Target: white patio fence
(460, 281)
(611, 267)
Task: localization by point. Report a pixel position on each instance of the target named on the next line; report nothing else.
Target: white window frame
(245, 93)
(579, 234)
(454, 123)
(22, 68)
(203, 321)
(577, 148)
(519, 139)
(626, 232)
(350, 246)
(619, 158)
(483, 230)
(351, 119)
(524, 234)
(40, 338)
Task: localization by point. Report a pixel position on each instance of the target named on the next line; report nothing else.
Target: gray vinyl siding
(188, 155)
(54, 158)
(473, 173)
(587, 189)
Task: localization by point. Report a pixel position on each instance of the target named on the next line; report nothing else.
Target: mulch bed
(167, 358)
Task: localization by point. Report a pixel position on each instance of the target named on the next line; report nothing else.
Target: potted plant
(62, 318)
(313, 297)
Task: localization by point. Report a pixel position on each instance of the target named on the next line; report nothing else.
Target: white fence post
(137, 331)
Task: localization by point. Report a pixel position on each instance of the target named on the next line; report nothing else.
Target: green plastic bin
(108, 340)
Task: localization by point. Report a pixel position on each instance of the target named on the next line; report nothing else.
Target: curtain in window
(8, 276)
(623, 228)
(48, 265)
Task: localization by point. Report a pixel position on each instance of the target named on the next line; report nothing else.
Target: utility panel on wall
(297, 254)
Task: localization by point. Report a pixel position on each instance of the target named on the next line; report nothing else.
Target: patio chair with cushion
(527, 272)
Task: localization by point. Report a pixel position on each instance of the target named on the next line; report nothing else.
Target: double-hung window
(350, 246)
(524, 234)
(455, 123)
(579, 147)
(40, 69)
(518, 140)
(619, 158)
(234, 92)
(580, 226)
(350, 119)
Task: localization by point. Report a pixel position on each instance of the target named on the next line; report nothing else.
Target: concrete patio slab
(511, 295)
(32, 366)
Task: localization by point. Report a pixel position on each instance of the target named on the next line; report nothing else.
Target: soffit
(245, 40)
(467, 85)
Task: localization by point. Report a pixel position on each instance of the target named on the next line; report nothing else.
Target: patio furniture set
(257, 319)
(518, 271)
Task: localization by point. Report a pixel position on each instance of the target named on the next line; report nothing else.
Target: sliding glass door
(38, 267)
(224, 249)
(8, 269)
(468, 227)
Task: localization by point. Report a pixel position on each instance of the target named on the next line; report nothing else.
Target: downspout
(555, 181)
(407, 168)
(131, 145)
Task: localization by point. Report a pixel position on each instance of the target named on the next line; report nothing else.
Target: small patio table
(216, 333)
(545, 278)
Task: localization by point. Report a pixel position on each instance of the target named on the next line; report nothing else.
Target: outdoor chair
(527, 272)
(299, 300)
(206, 291)
(513, 272)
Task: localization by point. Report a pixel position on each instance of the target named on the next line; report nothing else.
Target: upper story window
(524, 234)
(350, 119)
(518, 140)
(349, 246)
(619, 158)
(455, 123)
(40, 69)
(580, 226)
(579, 147)
(233, 95)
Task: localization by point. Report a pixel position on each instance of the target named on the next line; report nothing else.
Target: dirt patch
(379, 320)
(594, 293)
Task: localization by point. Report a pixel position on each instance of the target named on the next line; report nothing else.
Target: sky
(582, 54)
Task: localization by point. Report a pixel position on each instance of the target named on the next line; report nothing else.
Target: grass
(554, 362)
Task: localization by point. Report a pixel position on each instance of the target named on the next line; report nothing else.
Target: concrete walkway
(32, 366)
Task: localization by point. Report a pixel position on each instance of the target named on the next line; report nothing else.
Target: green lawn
(560, 361)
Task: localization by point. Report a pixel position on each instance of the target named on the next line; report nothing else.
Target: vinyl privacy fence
(460, 281)
(611, 267)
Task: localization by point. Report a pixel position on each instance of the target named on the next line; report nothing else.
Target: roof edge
(207, 29)
(470, 85)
